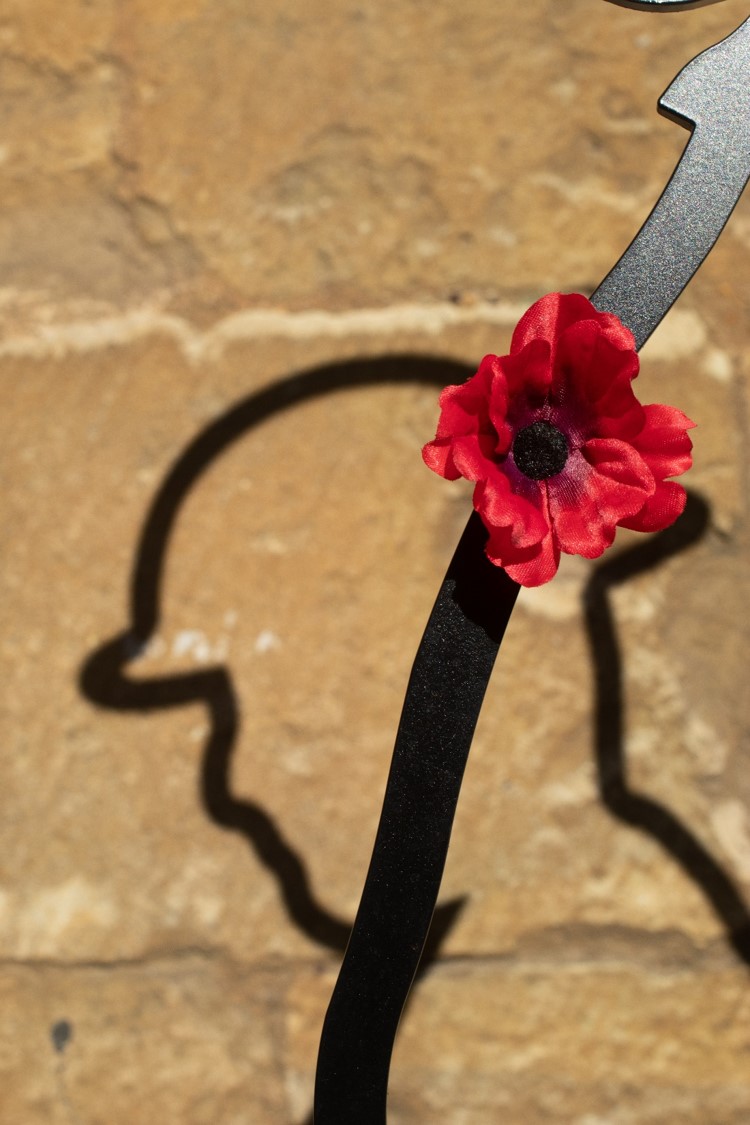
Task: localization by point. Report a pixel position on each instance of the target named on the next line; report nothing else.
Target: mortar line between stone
(698, 960)
(78, 336)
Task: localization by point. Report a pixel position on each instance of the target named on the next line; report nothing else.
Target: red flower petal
(529, 566)
(534, 566)
(660, 510)
(500, 507)
(606, 482)
(663, 443)
(595, 365)
(473, 456)
(438, 456)
(548, 318)
(527, 372)
(463, 409)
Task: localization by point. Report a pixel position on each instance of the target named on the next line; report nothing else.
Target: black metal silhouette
(711, 95)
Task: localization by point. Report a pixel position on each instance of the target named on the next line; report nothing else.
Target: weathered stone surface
(200, 201)
(535, 1042)
(189, 1041)
(473, 132)
(471, 153)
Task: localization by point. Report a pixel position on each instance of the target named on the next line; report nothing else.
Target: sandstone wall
(219, 224)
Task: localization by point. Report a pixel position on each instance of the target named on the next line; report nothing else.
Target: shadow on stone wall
(104, 679)
(626, 804)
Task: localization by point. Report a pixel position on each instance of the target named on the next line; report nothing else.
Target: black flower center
(540, 450)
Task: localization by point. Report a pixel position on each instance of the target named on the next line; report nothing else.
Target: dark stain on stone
(61, 1033)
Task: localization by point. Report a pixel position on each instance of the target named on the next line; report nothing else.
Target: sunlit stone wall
(219, 224)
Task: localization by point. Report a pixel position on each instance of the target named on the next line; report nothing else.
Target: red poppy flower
(560, 448)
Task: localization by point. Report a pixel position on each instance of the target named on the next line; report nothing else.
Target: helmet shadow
(105, 679)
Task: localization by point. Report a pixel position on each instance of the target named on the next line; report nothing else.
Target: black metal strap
(443, 700)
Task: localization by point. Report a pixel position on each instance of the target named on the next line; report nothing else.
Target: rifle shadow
(626, 804)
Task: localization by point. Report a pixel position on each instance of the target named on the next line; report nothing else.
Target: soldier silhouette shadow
(104, 678)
